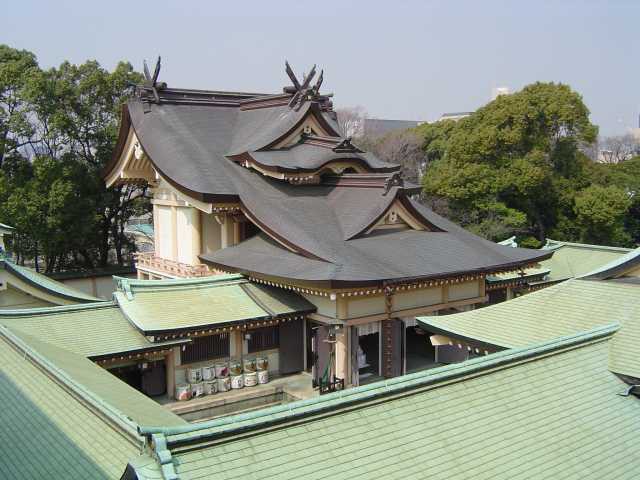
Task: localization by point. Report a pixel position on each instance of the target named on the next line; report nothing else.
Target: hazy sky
(398, 59)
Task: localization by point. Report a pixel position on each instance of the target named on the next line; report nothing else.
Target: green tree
(59, 133)
(17, 68)
(507, 168)
(601, 213)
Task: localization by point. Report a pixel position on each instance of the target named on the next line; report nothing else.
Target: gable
(132, 163)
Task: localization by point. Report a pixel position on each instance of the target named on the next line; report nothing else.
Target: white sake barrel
(194, 375)
(224, 384)
(222, 370)
(235, 368)
(249, 365)
(183, 392)
(237, 381)
(197, 389)
(208, 373)
(262, 363)
(263, 376)
(250, 379)
(211, 387)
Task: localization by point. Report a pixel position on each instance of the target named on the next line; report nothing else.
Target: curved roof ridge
(46, 284)
(550, 244)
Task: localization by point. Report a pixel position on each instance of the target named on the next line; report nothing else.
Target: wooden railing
(148, 260)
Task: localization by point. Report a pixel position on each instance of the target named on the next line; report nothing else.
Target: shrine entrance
(365, 351)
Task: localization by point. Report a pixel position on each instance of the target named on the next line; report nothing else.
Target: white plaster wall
(211, 234)
(165, 235)
(325, 305)
(360, 307)
(103, 288)
(186, 224)
(460, 291)
(417, 298)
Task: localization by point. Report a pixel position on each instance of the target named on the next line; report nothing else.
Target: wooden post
(342, 354)
(170, 367)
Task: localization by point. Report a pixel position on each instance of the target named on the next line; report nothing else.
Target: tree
(351, 120)
(53, 162)
(617, 149)
(16, 69)
(600, 214)
(511, 162)
(403, 147)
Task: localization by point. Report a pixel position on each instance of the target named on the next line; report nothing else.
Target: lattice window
(264, 339)
(205, 348)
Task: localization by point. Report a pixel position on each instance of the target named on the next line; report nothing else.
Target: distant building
(454, 115)
(496, 92)
(377, 127)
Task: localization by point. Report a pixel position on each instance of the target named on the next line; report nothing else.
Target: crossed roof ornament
(303, 91)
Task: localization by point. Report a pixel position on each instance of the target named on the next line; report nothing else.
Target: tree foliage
(515, 166)
(58, 128)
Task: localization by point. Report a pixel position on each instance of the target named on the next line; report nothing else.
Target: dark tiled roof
(190, 144)
(308, 157)
(383, 255)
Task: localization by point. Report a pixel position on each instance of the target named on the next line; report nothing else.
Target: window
(264, 339)
(205, 348)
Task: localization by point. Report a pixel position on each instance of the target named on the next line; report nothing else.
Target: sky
(411, 60)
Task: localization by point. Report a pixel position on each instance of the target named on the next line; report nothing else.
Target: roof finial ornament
(345, 146)
(394, 180)
(151, 81)
(302, 90)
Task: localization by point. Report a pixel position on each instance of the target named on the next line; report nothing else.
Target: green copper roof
(5, 229)
(46, 284)
(569, 307)
(145, 229)
(545, 411)
(165, 305)
(618, 267)
(98, 383)
(571, 260)
(48, 430)
(92, 330)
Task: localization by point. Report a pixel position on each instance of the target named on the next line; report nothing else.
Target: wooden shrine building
(268, 186)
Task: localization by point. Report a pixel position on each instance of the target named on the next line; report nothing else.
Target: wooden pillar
(391, 344)
(237, 232)
(196, 236)
(156, 230)
(342, 354)
(170, 367)
(226, 231)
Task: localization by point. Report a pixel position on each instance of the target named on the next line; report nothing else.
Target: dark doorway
(154, 378)
(309, 345)
(420, 354)
(149, 378)
(247, 230)
(129, 374)
(291, 341)
(369, 358)
(496, 296)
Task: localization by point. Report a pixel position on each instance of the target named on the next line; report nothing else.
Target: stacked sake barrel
(222, 377)
(202, 381)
